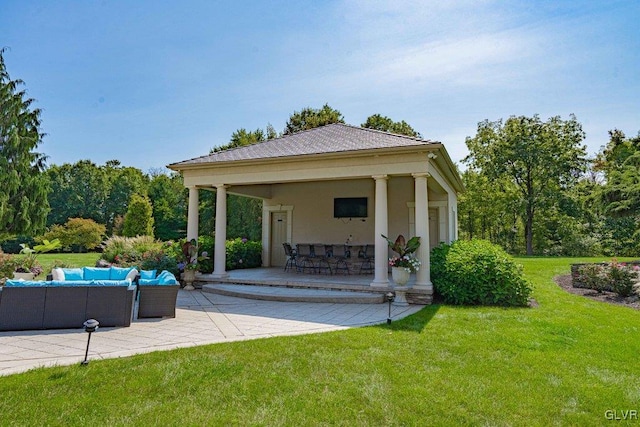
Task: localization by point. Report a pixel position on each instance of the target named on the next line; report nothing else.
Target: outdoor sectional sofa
(157, 295)
(75, 295)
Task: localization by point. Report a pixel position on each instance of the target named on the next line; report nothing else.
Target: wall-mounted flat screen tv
(350, 207)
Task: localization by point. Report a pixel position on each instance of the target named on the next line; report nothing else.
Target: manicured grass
(73, 260)
(563, 363)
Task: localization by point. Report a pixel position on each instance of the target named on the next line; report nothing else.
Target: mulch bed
(609, 297)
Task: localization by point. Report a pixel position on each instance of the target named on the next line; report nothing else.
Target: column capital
(421, 175)
(220, 186)
(377, 177)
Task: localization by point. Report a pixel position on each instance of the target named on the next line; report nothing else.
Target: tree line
(530, 185)
(532, 189)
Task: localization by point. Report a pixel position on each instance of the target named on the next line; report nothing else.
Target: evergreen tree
(24, 188)
(139, 218)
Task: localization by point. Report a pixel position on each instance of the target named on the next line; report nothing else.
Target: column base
(424, 286)
(380, 284)
(222, 275)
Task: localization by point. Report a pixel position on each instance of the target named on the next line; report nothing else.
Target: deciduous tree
(541, 159)
(169, 199)
(79, 190)
(309, 118)
(384, 123)
(123, 182)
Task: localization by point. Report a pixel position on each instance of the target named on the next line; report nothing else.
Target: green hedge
(243, 253)
(477, 272)
(151, 254)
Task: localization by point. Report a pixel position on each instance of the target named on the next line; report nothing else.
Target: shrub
(592, 277)
(8, 265)
(12, 246)
(115, 246)
(77, 234)
(621, 278)
(129, 250)
(613, 277)
(206, 245)
(159, 260)
(470, 272)
(243, 253)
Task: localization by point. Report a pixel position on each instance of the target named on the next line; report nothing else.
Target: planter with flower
(27, 267)
(190, 263)
(404, 263)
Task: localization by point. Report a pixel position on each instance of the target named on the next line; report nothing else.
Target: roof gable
(333, 138)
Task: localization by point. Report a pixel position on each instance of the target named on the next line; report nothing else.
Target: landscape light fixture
(90, 326)
(390, 300)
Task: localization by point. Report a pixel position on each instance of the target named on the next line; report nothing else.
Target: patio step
(280, 293)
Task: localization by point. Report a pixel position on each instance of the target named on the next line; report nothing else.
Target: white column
(423, 276)
(381, 276)
(192, 214)
(220, 252)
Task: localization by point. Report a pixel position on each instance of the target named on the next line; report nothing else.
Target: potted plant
(190, 265)
(404, 263)
(27, 267)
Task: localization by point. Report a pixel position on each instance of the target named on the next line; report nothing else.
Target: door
(278, 237)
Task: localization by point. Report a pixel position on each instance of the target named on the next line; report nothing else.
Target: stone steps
(290, 294)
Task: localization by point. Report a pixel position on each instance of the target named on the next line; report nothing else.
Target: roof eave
(430, 146)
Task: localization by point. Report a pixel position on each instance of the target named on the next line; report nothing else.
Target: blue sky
(154, 82)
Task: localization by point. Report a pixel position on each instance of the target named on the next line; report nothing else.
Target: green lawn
(565, 362)
(73, 260)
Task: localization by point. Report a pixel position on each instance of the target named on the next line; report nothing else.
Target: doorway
(278, 237)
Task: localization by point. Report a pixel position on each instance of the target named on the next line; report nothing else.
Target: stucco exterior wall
(312, 218)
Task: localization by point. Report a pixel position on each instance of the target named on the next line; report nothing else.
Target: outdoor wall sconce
(90, 326)
(389, 300)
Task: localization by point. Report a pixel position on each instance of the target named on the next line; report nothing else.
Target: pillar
(220, 252)
(192, 214)
(381, 270)
(423, 276)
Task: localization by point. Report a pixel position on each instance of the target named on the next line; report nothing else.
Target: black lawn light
(90, 326)
(390, 300)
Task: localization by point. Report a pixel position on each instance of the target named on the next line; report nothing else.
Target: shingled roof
(333, 138)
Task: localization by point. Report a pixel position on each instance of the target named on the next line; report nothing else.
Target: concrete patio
(201, 318)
